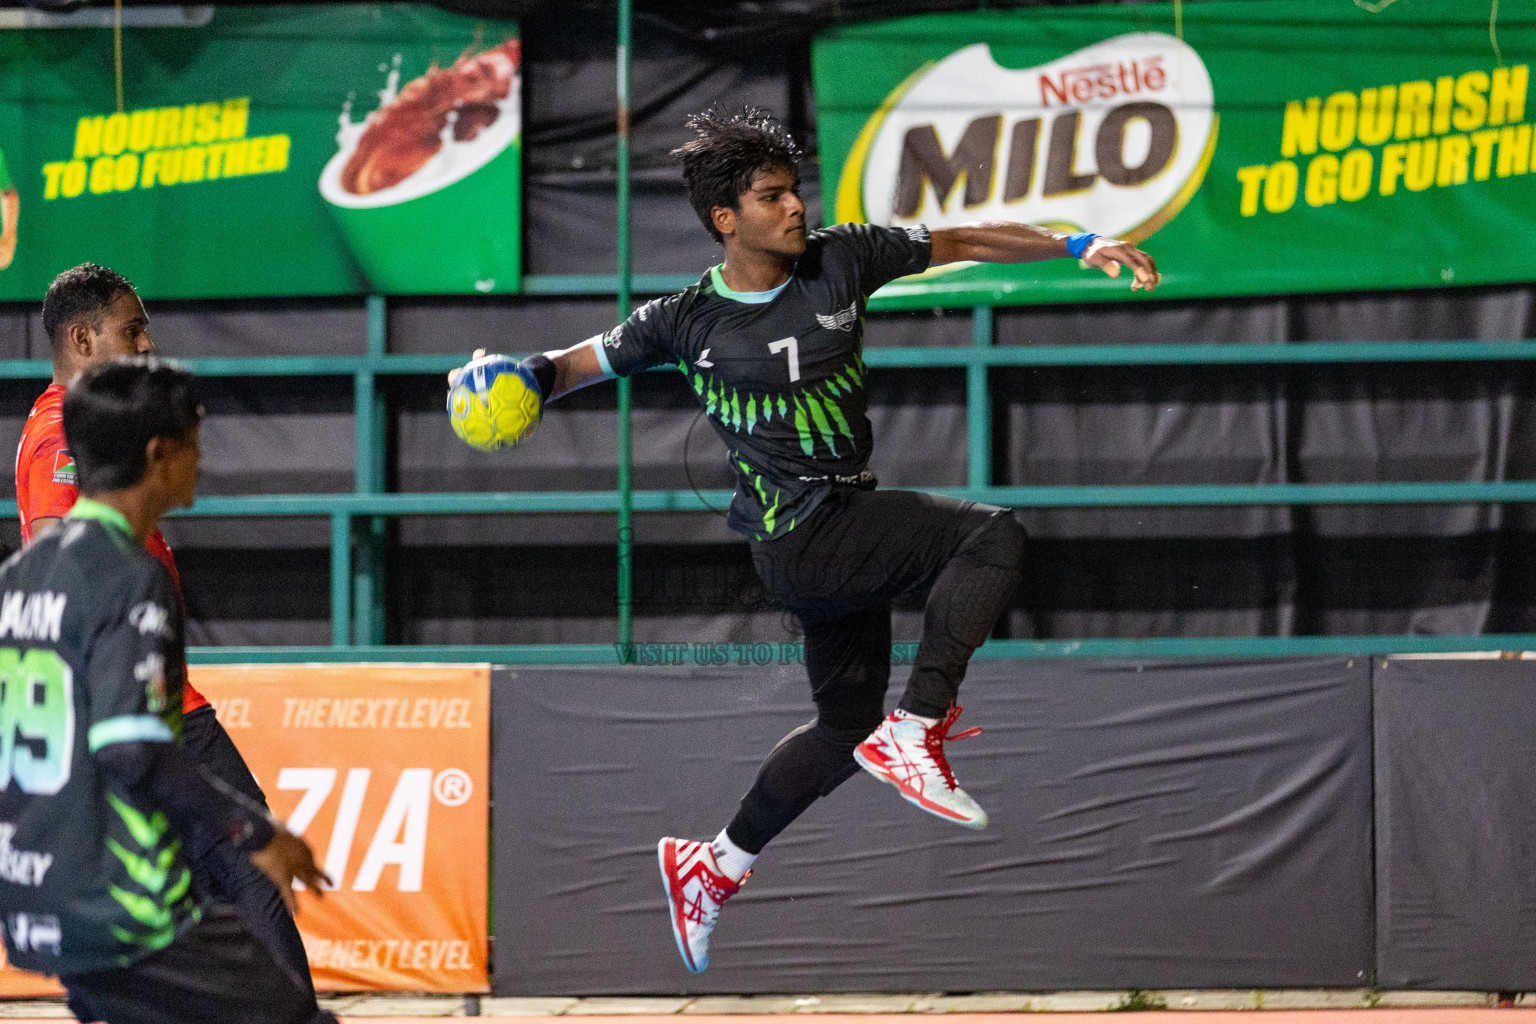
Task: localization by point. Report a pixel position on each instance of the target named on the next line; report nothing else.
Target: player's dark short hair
(727, 152)
(80, 294)
(113, 409)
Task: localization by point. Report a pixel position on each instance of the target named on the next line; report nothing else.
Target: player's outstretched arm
(576, 367)
(1008, 242)
(572, 368)
(496, 401)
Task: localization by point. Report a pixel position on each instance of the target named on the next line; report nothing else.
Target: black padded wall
(1153, 825)
(1455, 839)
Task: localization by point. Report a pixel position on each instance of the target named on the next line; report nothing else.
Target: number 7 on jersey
(793, 347)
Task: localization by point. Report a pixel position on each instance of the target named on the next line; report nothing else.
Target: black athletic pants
(838, 572)
(228, 875)
(216, 972)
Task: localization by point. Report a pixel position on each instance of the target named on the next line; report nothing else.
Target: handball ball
(495, 403)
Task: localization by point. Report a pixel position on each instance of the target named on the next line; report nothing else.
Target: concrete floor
(1315, 1006)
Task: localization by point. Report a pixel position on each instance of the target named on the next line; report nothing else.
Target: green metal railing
(358, 520)
(717, 654)
(626, 275)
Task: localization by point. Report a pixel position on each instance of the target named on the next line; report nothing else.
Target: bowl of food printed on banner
(425, 189)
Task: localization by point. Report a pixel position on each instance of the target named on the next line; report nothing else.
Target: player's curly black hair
(82, 293)
(727, 151)
(113, 409)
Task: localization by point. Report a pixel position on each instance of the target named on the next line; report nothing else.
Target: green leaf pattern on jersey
(151, 874)
(819, 417)
(770, 512)
(816, 411)
(165, 900)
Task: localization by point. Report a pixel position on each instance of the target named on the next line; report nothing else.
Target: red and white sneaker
(909, 754)
(696, 889)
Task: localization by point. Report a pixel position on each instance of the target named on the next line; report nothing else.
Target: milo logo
(1114, 138)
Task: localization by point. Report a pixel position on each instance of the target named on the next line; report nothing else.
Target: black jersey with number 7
(780, 374)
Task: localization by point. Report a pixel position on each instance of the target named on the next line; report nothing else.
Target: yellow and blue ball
(495, 403)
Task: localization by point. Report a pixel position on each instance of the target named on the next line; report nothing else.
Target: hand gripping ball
(494, 404)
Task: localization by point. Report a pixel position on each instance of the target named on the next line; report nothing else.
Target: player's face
(180, 459)
(124, 331)
(770, 215)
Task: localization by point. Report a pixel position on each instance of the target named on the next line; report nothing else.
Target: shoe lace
(935, 736)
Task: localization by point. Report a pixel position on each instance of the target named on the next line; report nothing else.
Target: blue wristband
(1078, 244)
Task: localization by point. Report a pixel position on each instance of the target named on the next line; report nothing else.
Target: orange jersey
(46, 488)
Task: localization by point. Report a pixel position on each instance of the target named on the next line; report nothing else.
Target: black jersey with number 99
(780, 374)
(91, 875)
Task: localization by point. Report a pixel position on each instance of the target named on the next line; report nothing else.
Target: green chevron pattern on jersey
(164, 905)
(117, 886)
(816, 413)
(779, 373)
(770, 511)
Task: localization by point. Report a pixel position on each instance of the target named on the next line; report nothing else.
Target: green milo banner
(264, 151)
(1263, 146)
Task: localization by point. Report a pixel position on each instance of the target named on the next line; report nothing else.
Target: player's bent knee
(855, 711)
(1004, 538)
(850, 730)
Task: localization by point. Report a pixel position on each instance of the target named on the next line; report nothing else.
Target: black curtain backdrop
(1131, 572)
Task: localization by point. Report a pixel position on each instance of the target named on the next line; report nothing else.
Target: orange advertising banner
(19, 984)
(385, 770)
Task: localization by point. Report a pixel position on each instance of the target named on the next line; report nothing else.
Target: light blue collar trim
(753, 298)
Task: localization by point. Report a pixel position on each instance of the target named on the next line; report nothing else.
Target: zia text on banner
(385, 771)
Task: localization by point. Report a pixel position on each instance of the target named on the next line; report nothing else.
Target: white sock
(903, 713)
(733, 860)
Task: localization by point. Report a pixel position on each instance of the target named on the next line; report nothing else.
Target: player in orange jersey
(93, 315)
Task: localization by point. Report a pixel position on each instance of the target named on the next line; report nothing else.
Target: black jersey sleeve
(884, 254)
(191, 796)
(134, 664)
(645, 340)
